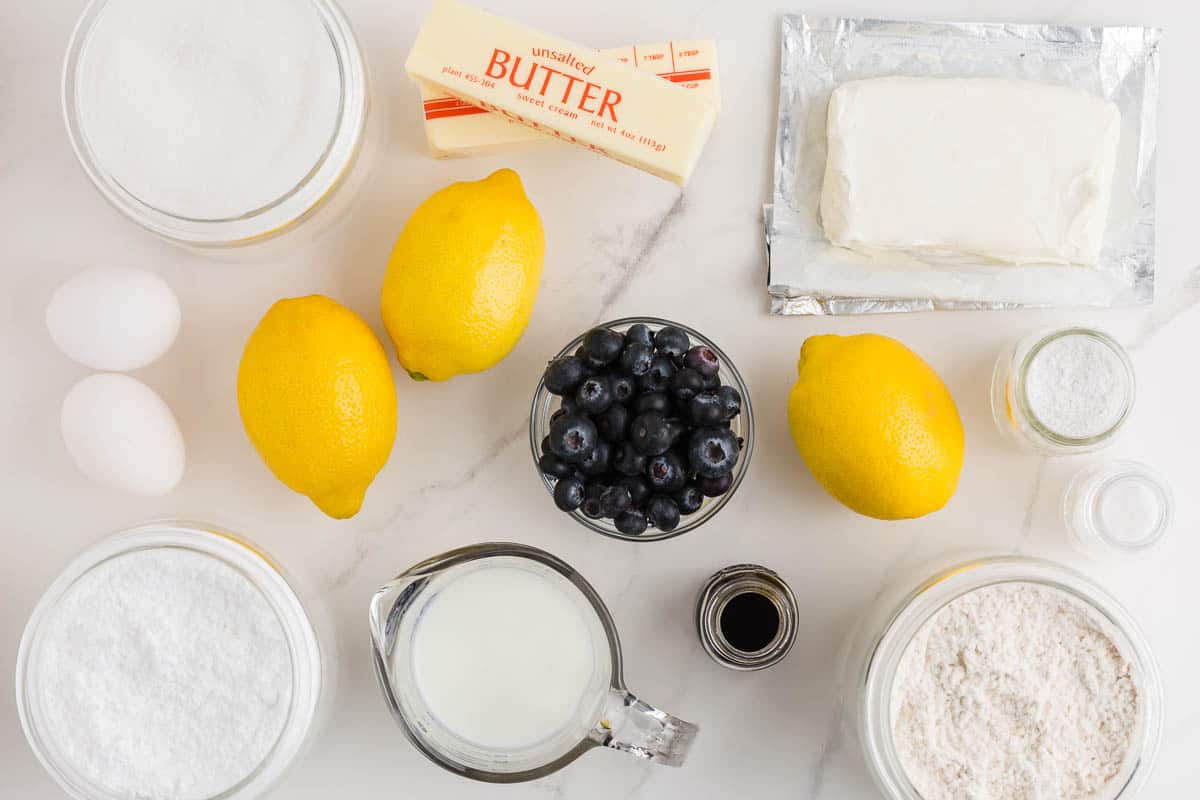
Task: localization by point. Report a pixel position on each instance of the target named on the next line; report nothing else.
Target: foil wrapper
(809, 275)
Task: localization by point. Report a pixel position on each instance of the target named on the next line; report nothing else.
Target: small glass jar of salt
(1118, 507)
(1063, 391)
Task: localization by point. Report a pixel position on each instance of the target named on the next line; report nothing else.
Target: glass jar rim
(1040, 427)
(539, 414)
(933, 594)
(250, 561)
(254, 225)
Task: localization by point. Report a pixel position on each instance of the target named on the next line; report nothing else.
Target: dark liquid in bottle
(749, 622)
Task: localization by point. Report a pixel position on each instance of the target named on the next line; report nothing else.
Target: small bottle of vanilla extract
(746, 617)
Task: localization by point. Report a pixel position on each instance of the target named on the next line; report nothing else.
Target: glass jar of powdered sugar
(172, 660)
(1063, 391)
(215, 123)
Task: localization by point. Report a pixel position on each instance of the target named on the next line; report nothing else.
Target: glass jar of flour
(215, 123)
(1036, 652)
(1063, 391)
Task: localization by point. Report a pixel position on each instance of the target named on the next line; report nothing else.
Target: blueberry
(731, 402)
(623, 387)
(573, 437)
(703, 360)
(594, 395)
(546, 445)
(705, 410)
(631, 522)
(615, 500)
(653, 401)
(593, 489)
(640, 334)
(712, 383)
(715, 487)
(686, 384)
(591, 508)
(564, 374)
(639, 491)
(559, 413)
(569, 405)
(596, 462)
(603, 346)
(672, 342)
(650, 433)
(626, 460)
(658, 377)
(568, 494)
(636, 358)
(663, 513)
(666, 473)
(554, 466)
(689, 499)
(613, 424)
(713, 452)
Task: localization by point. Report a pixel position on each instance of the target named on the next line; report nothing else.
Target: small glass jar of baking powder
(1063, 391)
(1117, 508)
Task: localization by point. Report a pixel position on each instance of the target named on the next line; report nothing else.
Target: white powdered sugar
(1013, 691)
(1077, 386)
(164, 674)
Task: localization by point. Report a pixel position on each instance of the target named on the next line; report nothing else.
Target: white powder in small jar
(1077, 386)
(163, 674)
(1014, 691)
(208, 109)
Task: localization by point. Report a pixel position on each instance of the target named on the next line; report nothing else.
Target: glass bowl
(899, 614)
(545, 404)
(313, 661)
(325, 187)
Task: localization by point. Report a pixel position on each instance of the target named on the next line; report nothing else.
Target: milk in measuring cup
(506, 657)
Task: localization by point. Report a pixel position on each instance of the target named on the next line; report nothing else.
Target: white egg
(122, 435)
(114, 318)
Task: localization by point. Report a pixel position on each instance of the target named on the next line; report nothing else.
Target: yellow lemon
(317, 400)
(876, 426)
(463, 277)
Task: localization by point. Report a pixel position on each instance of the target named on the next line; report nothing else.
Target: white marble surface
(619, 243)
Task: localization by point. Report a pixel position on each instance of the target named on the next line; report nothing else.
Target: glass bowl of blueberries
(641, 429)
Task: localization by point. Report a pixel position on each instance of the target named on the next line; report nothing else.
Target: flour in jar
(1014, 691)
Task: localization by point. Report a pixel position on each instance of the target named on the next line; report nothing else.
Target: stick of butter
(454, 127)
(561, 88)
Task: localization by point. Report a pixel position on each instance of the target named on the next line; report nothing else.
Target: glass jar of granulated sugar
(172, 661)
(217, 122)
(1063, 391)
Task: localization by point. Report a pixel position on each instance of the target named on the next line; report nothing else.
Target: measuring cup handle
(638, 728)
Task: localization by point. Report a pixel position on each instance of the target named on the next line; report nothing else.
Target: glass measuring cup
(608, 715)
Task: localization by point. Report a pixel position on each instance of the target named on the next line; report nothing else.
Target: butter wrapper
(809, 275)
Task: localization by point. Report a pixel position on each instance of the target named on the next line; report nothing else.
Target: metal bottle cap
(716, 594)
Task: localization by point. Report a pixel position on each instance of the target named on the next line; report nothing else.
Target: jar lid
(746, 617)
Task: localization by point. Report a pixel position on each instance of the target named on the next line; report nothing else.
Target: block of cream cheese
(561, 88)
(1014, 171)
(454, 127)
